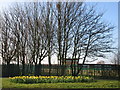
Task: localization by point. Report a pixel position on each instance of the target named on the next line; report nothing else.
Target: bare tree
(115, 59)
(93, 37)
(39, 31)
(48, 22)
(66, 17)
(8, 41)
(21, 32)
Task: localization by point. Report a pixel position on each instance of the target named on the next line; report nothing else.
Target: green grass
(98, 84)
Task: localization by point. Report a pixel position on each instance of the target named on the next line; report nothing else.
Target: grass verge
(98, 84)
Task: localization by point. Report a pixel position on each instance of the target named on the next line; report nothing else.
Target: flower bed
(50, 79)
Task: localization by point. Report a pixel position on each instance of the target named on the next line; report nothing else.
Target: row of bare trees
(33, 31)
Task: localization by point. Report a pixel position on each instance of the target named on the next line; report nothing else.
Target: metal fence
(95, 70)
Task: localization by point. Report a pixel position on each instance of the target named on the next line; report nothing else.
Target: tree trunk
(8, 69)
(40, 68)
(49, 58)
(36, 70)
(17, 68)
(23, 68)
(86, 53)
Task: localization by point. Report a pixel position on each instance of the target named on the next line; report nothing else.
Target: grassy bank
(98, 84)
